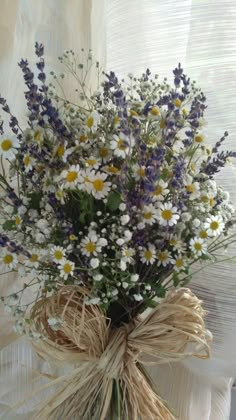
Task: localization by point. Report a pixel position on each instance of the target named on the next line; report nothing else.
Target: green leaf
(151, 303)
(161, 292)
(114, 200)
(9, 225)
(35, 199)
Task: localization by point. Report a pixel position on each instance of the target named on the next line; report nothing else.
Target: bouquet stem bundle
(108, 377)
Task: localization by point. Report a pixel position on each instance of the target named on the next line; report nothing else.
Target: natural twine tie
(101, 355)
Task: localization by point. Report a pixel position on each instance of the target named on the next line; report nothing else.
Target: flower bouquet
(109, 205)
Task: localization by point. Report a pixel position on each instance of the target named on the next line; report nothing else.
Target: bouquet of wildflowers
(108, 204)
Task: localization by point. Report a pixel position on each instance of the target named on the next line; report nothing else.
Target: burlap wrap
(102, 356)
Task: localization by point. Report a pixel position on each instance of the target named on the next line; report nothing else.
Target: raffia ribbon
(100, 354)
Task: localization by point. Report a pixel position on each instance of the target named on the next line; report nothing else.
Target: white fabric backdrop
(129, 37)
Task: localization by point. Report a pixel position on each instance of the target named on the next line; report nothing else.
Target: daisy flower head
(97, 185)
(167, 214)
(111, 170)
(127, 254)
(70, 176)
(8, 260)
(66, 268)
(179, 263)
(104, 152)
(139, 172)
(28, 162)
(92, 121)
(164, 258)
(149, 214)
(214, 225)
(160, 191)
(154, 112)
(8, 147)
(60, 194)
(58, 253)
(148, 255)
(122, 145)
(198, 246)
(176, 243)
(92, 162)
(193, 188)
(33, 260)
(92, 244)
(199, 138)
(38, 135)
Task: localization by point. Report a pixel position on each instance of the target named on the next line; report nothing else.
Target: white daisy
(104, 152)
(139, 172)
(167, 215)
(8, 259)
(164, 258)
(8, 147)
(33, 260)
(111, 170)
(179, 263)
(154, 112)
(28, 162)
(193, 188)
(122, 145)
(127, 254)
(58, 253)
(160, 191)
(198, 246)
(148, 255)
(92, 244)
(199, 138)
(92, 162)
(61, 194)
(70, 176)
(176, 243)
(149, 214)
(66, 268)
(214, 225)
(95, 184)
(92, 121)
(62, 152)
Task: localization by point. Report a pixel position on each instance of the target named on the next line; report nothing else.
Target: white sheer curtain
(129, 37)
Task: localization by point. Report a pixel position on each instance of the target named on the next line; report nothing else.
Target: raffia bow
(103, 356)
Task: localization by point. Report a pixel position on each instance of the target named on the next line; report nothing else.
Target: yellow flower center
(214, 225)
(198, 246)
(158, 190)
(204, 198)
(58, 255)
(90, 247)
(73, 237)
(162, 256)
(141, 172)
(128, 253)
(103, 152)
(90, 122)
(116, 120)
(112, 169)
(91, 162)
(17, 220)
(83, 138)
(121, 144)
(34, 258)
(162, 123)
(199, 138)
(26, 160)
(179, 262)
(6, 145)
(98, 184)
(155, 111)
(147, 215)
(37, 135)
(148, 254)
(185, 112)
(166, 214)
(133, 113)
(212, 202)
(178, 102)
(190, 188)
(71, 176)
(203, 234)
(173, 242)
(67, 268)
(7, 259)
(61, 150)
